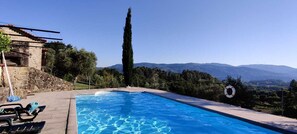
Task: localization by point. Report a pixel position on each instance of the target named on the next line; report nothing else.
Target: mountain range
(221, 71)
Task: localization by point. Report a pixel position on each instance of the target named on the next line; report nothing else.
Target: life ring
(232, 89)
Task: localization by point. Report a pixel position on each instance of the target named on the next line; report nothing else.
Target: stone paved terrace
(60, 113)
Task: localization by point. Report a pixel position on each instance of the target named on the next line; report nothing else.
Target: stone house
(25, 61)
(27, 49)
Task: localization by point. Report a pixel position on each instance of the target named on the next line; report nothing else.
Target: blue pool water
(144, 113)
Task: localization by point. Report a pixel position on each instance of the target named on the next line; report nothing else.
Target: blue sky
(234, 32)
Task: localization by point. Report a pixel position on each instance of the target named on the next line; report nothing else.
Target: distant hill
(220, 71)
(285, 70)
(269, 83)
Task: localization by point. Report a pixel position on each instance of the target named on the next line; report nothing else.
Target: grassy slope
(80, 86)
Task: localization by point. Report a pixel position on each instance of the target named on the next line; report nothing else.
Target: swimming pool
(124, 112)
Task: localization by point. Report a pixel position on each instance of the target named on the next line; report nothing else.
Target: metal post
(8, 76)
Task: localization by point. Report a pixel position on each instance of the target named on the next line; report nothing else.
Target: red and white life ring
(232, 89)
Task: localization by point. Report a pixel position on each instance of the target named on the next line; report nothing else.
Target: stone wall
(40, 81)
(27, 80)
(4, 92)
(35, 53)
(19, 80)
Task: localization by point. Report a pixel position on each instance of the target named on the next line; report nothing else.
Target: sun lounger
(18, 110)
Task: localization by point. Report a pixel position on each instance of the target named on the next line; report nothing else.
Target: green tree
(127, 57)
(69, 63)
(290, 100)
(50, 60)
(106, 77)
(4, 43)
(293, 86)
(57, 46)
(86, 62)
(64, 67)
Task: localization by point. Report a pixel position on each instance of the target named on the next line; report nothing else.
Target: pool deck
(60, 112)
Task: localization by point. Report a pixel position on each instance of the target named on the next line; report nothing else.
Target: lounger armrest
(36, 111)
(41, 108)
(20, 116)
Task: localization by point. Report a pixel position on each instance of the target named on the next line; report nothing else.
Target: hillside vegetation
(191, 83)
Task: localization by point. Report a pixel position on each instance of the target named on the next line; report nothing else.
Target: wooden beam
(26, 41)
(35, 36)
(49, 38)
(32, 29)
(14, 34)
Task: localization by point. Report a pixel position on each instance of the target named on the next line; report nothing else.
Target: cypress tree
(127, 57)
